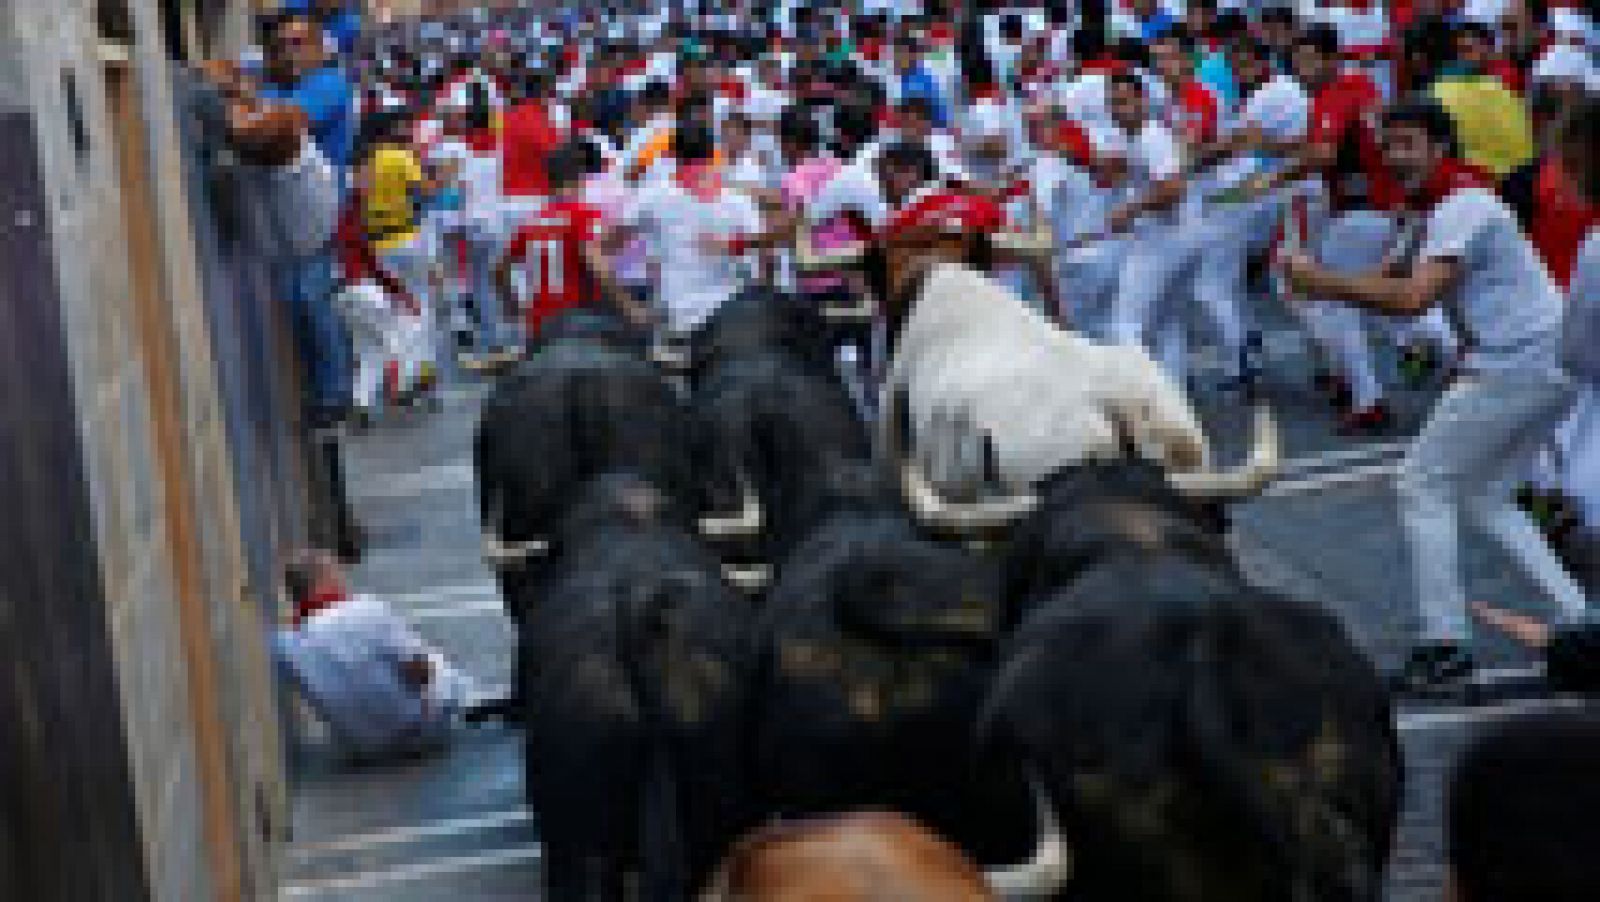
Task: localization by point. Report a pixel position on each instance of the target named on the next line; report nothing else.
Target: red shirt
(1513, 78)
(946, 210)
(1561, 220)
(1194, 113)
(528, 138)
(550, 245)
(1344, 113)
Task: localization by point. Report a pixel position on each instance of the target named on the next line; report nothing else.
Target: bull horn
(1249, 478)
(1043, 875)
(751, 579)
(1037, 243)
(809, 259)
(927, 506)
(864, 310)
(670, 352)
(745, 524)
(503, 555)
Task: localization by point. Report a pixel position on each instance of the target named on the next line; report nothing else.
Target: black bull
(583, 405)
(1201, 739)
(635, 670)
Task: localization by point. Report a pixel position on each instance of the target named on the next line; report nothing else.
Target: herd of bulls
(1075, 686)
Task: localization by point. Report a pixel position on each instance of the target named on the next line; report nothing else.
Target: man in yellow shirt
(1491, 120)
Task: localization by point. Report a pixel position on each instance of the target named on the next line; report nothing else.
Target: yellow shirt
(1492, 122)
(389, 206)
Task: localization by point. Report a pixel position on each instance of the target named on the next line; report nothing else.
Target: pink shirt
(799, 186)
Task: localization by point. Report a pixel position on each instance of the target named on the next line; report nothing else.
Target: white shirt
(346, 661)
(1153, 156)
(1582, 326)
(854, 188)
(1504, 304)
(692, 284)
(1280, 110)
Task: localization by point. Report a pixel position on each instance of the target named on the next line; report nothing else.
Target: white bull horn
(930, 508)
(1037, 243)
(864, 310)
(1043, 875)
(1249, 478)
(809, 259)
(745, 524)
(749, 579)
(503, 555)
(670, 351)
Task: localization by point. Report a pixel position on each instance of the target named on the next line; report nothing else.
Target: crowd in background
(1208, 169)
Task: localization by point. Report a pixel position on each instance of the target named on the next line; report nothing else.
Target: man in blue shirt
(341, 21)
(916, 81)
(1153, 19)
(299, 71)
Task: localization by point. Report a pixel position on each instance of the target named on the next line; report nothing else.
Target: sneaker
(1435, 667)
(1335, 388)
(1418, 364)
(1367, 421)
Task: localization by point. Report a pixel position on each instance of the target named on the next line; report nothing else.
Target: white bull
(972, 359)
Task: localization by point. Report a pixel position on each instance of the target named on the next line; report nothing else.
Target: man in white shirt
(1146, 309)
(855, 188)
(694, 225)
(1270, 123)
(380, 688)
(1475, 262)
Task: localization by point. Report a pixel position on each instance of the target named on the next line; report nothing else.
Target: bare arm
(1161, 196)
(598, 263)
(1410, 294)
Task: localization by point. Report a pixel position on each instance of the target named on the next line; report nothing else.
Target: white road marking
(397, 835)
(409, 873)
(454, 475)
(464, 611)
(1342, 456)
(1322, 482)
(1422, 720)
(477, 589)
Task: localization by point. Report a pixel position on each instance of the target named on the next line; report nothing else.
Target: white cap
(1574, 26)
(1564, 63)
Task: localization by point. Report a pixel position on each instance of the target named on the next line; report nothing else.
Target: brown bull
(860, 857)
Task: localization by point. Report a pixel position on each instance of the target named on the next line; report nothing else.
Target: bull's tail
(641, 634)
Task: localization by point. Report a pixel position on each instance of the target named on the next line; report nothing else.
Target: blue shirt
(918, 82)
(1156, 26)
(328, 99)
(344, 26)
(1215, 73)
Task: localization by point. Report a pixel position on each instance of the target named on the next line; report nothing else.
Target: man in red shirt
(528, 138)
(1347, 228)
(561, 252)
(929, 222)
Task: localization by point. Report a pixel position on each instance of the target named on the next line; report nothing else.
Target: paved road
(455, 828)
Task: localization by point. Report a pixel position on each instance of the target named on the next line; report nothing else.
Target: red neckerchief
(1447, 178)
(1103, 65)
(318, 602)
(986, 92)
(702, 181)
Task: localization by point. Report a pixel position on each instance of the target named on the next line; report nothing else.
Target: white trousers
(1148, 309)
(1463, 462)
(1226, 236)
(1356, 241)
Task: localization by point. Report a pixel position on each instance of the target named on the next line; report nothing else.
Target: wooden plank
(158, 353)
